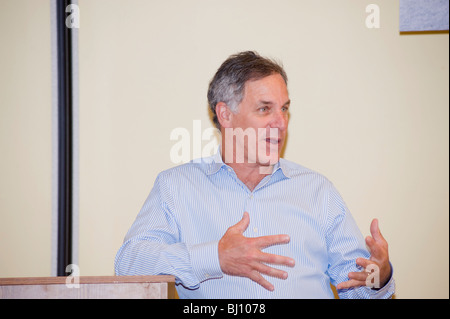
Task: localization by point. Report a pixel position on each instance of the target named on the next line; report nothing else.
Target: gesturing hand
(242, 256)
(379, 261)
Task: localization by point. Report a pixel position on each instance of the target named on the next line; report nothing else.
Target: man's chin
(266, 163)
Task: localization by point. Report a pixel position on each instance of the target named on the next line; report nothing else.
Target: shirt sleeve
(345, 244)
(152, 246)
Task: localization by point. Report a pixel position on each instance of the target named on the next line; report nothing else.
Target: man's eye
(262, 109)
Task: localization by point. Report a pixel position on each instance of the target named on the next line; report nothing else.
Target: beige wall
(369, 111)
(25, 138)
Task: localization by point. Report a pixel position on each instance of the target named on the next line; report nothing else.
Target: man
(246, 223)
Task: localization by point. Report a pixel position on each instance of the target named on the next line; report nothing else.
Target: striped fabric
(192, 205)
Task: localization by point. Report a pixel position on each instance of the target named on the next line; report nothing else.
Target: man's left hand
(379, 260)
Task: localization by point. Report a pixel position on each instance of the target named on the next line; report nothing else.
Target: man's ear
(224, 114)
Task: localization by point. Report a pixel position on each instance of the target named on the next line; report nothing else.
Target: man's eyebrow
(270, 103)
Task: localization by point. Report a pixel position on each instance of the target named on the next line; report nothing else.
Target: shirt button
(251, 196)
(255, 230)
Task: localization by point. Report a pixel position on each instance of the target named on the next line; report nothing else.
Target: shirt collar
(215, 164)
(283, 167)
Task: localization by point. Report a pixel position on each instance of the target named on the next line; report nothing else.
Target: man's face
(263, 110)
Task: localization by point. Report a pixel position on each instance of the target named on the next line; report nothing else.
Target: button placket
(253, 227)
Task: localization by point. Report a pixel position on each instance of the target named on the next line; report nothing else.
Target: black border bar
(65, 138)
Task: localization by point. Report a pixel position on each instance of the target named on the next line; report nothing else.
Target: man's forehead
(266, 88)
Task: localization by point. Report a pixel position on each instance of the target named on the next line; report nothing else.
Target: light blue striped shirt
(192, 205)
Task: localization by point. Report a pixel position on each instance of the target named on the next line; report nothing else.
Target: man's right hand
(242, 256)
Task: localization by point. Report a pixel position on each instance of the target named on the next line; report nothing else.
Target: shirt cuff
(205, 260)
(385, 292)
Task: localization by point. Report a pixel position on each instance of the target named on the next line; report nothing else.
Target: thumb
(242, 225)
(375, 230)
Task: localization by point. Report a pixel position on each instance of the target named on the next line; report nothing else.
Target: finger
(352, 283)
(266, 241)
(358, 276)
(270, 271)
(276, 259)
(242, 225)
(256, 277)
(373, 246)
(363, 262)
(378, 249)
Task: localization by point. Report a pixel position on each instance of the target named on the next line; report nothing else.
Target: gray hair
(228, 83)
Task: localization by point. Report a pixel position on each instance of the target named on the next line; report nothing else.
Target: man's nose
(279, 120)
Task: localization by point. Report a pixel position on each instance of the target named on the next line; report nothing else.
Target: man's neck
(248, 173)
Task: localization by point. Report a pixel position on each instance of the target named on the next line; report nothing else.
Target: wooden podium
(88, 287)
